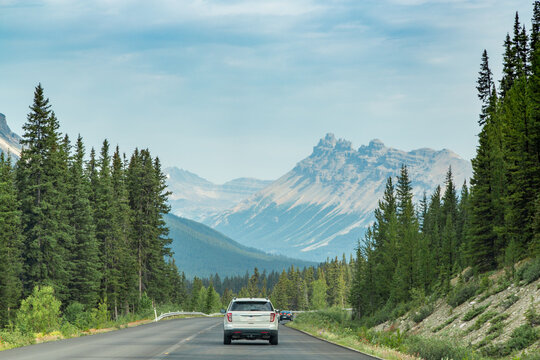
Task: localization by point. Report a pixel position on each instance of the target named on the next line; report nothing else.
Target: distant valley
(202, 251)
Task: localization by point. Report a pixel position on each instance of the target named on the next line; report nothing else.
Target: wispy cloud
(202, 70)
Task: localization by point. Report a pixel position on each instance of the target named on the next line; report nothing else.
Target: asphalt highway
(197, 338)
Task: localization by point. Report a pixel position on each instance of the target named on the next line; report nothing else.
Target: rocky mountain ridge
(9, 141)
(196, 198)
(322, 207)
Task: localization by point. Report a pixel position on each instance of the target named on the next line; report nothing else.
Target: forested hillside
(92, 230)
(202, 251)
(496, 224)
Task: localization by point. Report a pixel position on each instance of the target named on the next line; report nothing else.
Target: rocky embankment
(495, 316)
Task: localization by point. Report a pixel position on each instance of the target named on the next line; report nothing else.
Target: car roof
(251, 299)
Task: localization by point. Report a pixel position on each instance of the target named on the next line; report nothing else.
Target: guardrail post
(155, 314)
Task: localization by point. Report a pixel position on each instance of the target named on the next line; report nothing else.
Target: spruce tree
(40, 181)
(84, 256)
(509, 66)
(484, 86)
(405, 273)
(122, 235)
(449, 232)
(10, 243)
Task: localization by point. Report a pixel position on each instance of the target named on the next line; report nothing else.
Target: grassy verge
(336, 326)
(14, 338)
(332, 325)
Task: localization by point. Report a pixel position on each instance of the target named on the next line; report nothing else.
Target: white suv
(250, 318)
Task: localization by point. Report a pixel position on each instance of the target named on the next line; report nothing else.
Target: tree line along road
(196, 338)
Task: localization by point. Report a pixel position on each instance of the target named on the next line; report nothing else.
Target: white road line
(176, 346)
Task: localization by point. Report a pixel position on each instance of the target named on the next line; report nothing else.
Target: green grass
(333, 325)
(12, 338)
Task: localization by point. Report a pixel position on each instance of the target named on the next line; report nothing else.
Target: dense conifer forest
(92, 230)
(415, 251)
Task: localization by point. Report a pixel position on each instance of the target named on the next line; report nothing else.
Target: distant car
(250, 319)
(285, 315)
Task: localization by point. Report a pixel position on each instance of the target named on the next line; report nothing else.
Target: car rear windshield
(251, 306)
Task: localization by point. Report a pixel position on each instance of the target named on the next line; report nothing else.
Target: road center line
(175, 347)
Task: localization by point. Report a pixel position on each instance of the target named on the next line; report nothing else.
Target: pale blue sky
(245, 87)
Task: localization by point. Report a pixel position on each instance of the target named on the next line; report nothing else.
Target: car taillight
(272, 317)
(229, 317)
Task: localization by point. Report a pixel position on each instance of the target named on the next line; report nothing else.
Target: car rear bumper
(251, 334)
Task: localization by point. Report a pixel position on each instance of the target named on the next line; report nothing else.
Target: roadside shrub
(14, 338)
(76, 315)
(530, 271)
(474, 312)
(336, 315)
(532, 356)
(509, 301)
(423, 313)
(445, 324)
(400, 310)
(68, 329)
(468, 274)
(485, 283)
(144, 305)
(522, 337)
(489, 339)
(482, 319)
(462, 293)
(390, 339)
(436, 349)
(39, 312)
(533, 318)
(101, 315)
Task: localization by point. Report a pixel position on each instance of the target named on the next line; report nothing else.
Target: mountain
(322, 207)
(9, 141)
(196, 198)
(202, 251)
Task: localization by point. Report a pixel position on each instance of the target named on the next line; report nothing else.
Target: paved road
(199, 339)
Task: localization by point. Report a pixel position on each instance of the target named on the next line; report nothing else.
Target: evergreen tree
(123, 244)
(10, 243)
(484, 86)
(509, 66)
(382, 248)
(253, 288)
(148, 203)
(39, 178)
(405, 273)
(105, 227)
(485, 196)
(520, 180)
(280, 294)
(449, 233)
(212, 301)
(84, 256)
(318, 297)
